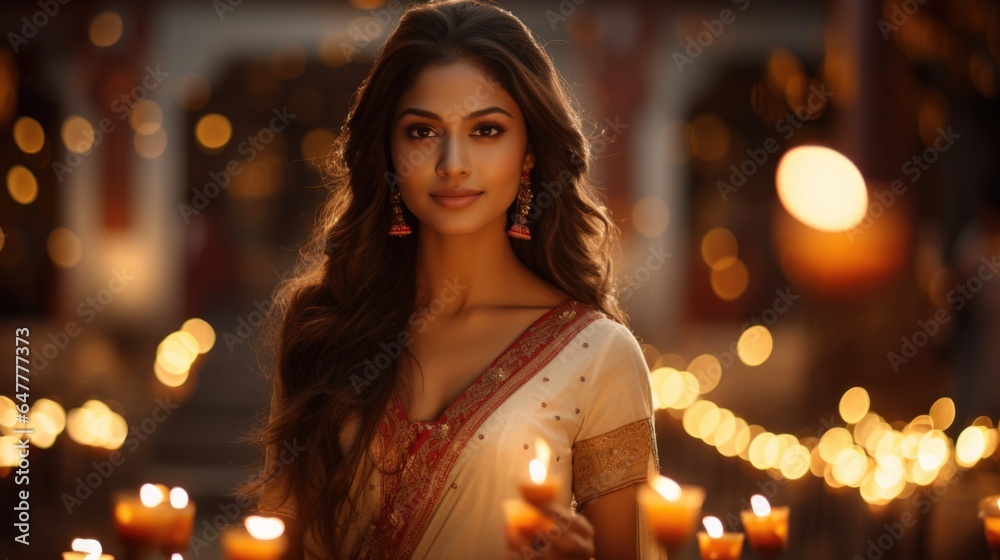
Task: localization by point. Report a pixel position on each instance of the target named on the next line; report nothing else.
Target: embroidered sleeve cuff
(612, 461)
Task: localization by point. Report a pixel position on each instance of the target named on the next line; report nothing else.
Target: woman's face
(455, 128)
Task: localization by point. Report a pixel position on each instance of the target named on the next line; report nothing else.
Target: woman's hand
(562, 535)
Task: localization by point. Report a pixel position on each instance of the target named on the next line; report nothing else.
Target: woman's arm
(613, 516)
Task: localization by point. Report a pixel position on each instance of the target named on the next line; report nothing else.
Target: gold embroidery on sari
(613, 460)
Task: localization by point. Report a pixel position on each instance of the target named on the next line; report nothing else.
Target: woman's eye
(484, 130)
(420, 132)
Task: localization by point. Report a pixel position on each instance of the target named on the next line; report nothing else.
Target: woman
(427, 342)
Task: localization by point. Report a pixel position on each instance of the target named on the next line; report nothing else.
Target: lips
(455, 192)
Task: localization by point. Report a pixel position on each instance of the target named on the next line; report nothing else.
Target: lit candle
(180, 522)
(142, 520)
(524, 518)
(671, 510)
(766, 527)
(717, 545)
(157, 517)
(260, 538)
(86, 549)
(989, 510)
(541, 488)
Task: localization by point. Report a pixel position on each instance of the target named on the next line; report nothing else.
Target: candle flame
(998, 502)
(178, 498)
(264, 528)
(91, 546)
(713, 526)
(537, 471)
(176, 556)
(760, 505)
(666, 487)
(542, 451)
(151, 495)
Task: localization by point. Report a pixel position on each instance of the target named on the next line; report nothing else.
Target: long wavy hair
(353, 288)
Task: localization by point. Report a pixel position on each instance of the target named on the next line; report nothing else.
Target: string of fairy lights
(884, 460)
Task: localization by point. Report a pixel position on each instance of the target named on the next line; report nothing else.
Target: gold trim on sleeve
(612, 461)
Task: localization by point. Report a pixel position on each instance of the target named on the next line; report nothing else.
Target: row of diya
(671, 511)
(160, 521)
(152, 521)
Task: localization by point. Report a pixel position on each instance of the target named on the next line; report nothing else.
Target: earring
(399, 227)
(519, 229)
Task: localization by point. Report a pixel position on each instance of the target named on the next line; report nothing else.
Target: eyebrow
(435, 116)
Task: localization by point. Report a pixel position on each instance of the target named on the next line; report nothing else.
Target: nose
(453, 162)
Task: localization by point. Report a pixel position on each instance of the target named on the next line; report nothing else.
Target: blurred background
(809, 199)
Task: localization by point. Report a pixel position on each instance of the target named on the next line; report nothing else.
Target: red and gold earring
(519, 229)
(399, 226)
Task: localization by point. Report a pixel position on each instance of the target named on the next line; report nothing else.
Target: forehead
(454, 90)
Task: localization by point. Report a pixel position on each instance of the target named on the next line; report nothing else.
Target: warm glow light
(170, 379)
(650, 216)
(203, 333)
(943, 413)
(854, 404)
(679, 389)
(970, 446)
(760, 505)
(64, 247)
(713, 526)
(22, 185)
(730, 282)
(707, 370)
(213, 131)
(264, 528)
(78, 134)
(537, 471)
(755, 345)
(28, 135)
(178, 498)
(707, 137)
(794, 462)
(152, 145)
(542, 451)
(106, 29)
(666, 487)
(90, 546)
(821, 188)
(146, 117)
(150, 495)
(719, 248)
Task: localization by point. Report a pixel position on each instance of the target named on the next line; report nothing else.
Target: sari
(575, 378)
